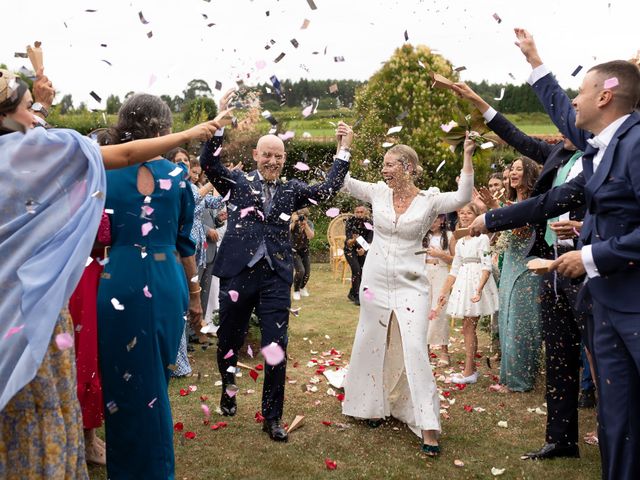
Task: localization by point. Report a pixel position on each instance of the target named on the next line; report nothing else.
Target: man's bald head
(269, 155)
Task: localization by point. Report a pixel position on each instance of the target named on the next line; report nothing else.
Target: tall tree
(196, 88)
(113, 104)
(66, 104)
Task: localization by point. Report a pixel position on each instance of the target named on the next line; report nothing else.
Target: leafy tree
(113, 104)
(196, 88)
(82, 108)
(400, 94)
(66, 104)
(199, 110)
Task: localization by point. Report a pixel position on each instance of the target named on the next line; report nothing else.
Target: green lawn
(328, 320)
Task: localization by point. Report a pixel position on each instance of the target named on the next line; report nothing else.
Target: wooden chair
(336, 237)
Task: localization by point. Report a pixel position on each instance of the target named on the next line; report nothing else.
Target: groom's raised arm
(553, 98)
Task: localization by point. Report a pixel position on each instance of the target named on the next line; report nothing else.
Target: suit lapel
(587, 162)
(604, 168)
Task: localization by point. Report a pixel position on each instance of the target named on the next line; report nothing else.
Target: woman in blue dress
(147, 288)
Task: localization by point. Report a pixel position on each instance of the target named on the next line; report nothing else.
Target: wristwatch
(39, 108)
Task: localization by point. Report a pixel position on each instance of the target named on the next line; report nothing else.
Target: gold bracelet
(191, 292)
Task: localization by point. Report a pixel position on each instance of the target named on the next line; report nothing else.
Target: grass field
(327, 320)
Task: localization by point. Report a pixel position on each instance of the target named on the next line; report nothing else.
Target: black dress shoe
(275, 430)
(374, 423)
(227, 403)
(553, 450)
(351, 297)
(357, 301)
(587, 399)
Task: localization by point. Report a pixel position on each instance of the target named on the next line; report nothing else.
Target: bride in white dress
(390, 373)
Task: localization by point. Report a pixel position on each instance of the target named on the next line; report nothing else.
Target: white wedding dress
(389, 373)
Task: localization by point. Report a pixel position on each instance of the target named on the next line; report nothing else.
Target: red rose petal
(433, 355)
(183, 392)
(222, 424)
(190, 435)
(253, 374)
(327, 423)
(331, 464)
(178, 427)
(340, 397)
(260, 367)
(461, 386)
(468, 408)
(215, 427)
(446, 394)
(203, 398)
(259, 418)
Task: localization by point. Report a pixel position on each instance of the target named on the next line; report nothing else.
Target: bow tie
(596, 143)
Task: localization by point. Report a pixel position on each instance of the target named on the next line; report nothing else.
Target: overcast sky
(365, 32)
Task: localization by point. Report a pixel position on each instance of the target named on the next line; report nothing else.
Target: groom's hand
(478, 227)
(528, 47)
(569, 265)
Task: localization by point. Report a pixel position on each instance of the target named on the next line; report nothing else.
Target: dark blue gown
(138, 344)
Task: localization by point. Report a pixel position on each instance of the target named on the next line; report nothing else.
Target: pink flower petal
(146, 228)
(260, 64)
(273, 354)
(217, 152)
(13, 331)
(233, 295)
(165, 183)
(146, 291)
(205, 410)
(611, 82)
(308, 110)
(245, 211)
(227, 196)
(368, 226)
(368, 294)
(231, 392)
(250, 351)
(311, 200)
(64, 341)
(333, 212)
(303, 167)
(147, 210)
(229, 354)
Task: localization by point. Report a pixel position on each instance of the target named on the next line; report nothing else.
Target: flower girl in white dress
(474, 294)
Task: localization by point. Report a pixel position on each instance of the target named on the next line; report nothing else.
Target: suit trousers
(205, 283)
(356, 262)
(616, 349)
(260, 288)
(562, 324)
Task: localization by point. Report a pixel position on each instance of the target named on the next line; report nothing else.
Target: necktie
(549, 235)
(268, 189)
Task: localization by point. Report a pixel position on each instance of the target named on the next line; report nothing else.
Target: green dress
(142, 302)
(519, 318)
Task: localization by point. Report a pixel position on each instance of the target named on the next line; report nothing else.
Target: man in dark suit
(561, 320)
(610, 237)
(254, 262)
(354, 251)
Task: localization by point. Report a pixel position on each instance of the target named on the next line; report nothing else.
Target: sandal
(431, 450)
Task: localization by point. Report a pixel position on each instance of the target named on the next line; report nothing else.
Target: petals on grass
(253, 374)
(178, 427)
(183, 392)
(259, 418)
(327, 423)
(340, 397)
(468, 408)
(190, 435)
(259, 367)
(330, 464)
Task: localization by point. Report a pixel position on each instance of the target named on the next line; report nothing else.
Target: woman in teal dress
(519, 318)
(143, 298)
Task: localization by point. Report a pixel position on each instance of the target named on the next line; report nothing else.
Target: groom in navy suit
(609, 257)
(255, 264)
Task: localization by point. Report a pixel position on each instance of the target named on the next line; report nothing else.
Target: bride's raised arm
(451, 201)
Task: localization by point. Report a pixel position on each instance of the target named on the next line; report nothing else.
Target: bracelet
(191, 292)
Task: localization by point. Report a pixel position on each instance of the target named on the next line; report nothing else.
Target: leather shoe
(552, 450)
(227, 403)
(587, 399)
(275, 430)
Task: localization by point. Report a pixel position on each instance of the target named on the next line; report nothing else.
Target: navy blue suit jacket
(611, 195)
(551, 157)
(248, 225)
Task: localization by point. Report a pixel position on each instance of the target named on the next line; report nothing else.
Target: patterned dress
(41, 427)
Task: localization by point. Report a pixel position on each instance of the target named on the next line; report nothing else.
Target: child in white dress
(474, 290)
(439, 244)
